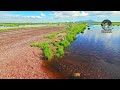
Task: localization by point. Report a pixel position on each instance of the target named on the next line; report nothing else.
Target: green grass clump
(70, 37)
(65, 43)
(46, 49)
(55, 43)
(40, 45)
(51, 36)
(47, 52)
(60, 51)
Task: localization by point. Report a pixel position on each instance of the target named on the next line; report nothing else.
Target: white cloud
(35, 17)
(42, 15)
(84, 14)
(103, 13)
(116, 13)
(5, 14)
(68, 14)
(20, 16)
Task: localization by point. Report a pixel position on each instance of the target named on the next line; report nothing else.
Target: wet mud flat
(69, 68)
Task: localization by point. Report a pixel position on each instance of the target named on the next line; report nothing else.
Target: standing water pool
(95, 54)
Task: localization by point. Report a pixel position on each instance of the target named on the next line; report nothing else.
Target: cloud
(103, 13)
(7, 17)
(34, 17)
(68, 14)
(42, 15)
(4, 14)
(20, 16)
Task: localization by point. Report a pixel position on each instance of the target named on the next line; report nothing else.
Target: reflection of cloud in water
(93, 35)
(108, 36)
(109, 40)
(97, 37)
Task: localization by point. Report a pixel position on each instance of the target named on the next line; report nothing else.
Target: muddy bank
(53, 72)
(68, 68)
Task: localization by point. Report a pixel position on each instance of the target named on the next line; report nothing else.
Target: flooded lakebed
(93, 54)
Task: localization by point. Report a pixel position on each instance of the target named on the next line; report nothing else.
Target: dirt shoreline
(20, 61)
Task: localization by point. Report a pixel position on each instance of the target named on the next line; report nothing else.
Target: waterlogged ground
(94, 54)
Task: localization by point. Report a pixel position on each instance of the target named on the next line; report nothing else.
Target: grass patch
(11, 26)
(51, 36)
(55, 43)
(60, 51)
(47, 52)
(40, 45)
(60, 45)
(65, 43)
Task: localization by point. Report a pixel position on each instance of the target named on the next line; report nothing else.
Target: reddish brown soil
(20, 61)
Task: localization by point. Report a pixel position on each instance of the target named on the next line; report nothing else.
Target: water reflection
(100, 49)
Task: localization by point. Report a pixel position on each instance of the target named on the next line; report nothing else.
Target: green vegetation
(47, 52)
(11, 26)
(40, 45)
(65, 43)
(18, 24)
(60, 51)
(51, 36)
(55, 43)
(113, 23)
(71, 31)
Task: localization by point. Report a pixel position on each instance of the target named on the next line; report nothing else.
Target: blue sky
(57, 16)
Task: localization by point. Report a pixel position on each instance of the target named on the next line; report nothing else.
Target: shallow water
(97, 54)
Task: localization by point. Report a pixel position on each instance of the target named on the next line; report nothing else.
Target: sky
(57, 16)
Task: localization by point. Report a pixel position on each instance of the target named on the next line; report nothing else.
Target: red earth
(20, 61)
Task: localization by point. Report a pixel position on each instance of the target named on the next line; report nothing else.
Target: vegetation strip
(14, 26)
(59, 41)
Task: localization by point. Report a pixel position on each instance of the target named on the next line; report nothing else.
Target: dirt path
(18, 59)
